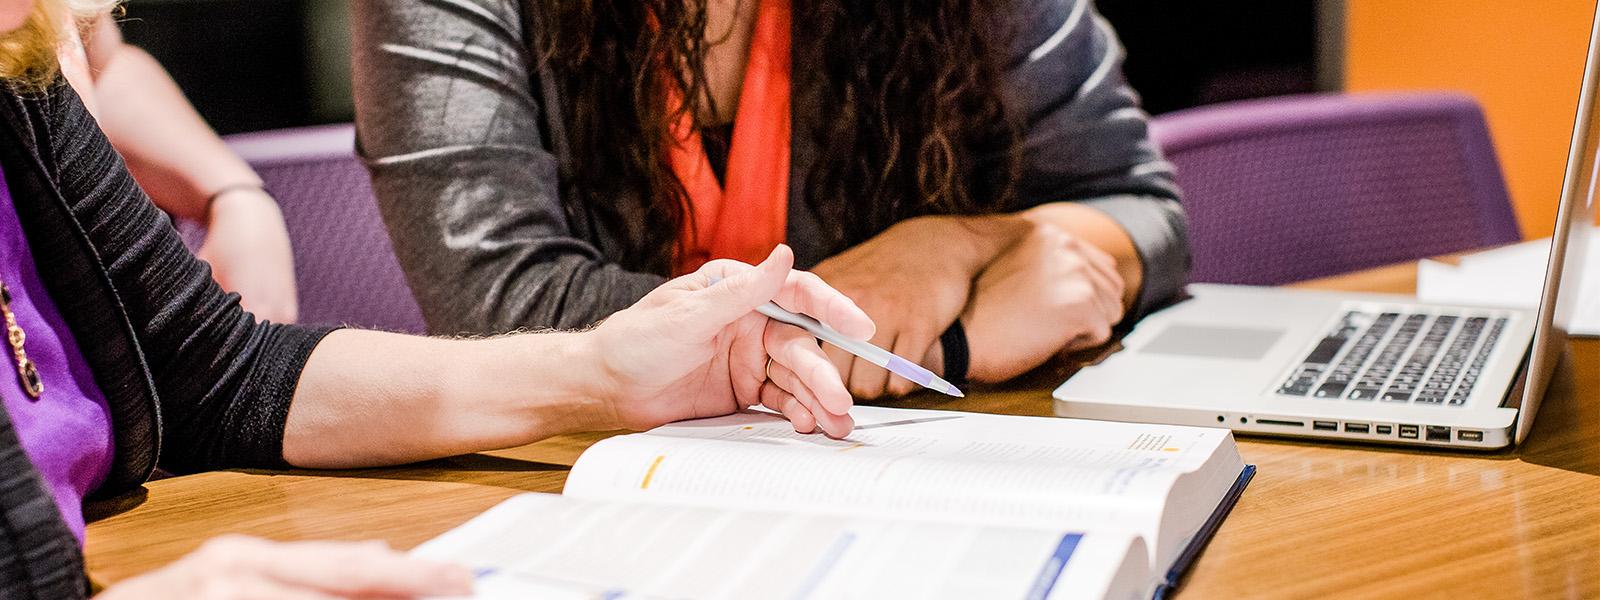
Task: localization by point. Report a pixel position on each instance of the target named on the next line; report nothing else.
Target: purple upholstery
(344, 264)
(1298, 187)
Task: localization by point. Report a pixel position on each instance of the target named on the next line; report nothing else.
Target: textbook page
(935, 465)
(543, 545)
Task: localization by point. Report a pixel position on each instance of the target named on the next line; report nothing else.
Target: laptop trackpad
(1243, 343)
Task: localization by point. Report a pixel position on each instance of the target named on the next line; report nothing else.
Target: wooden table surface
(1319, 520)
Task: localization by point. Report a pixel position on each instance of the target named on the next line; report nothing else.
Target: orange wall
(1522, 59)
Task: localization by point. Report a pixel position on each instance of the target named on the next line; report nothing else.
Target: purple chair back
(1299, 187)
(344, 264)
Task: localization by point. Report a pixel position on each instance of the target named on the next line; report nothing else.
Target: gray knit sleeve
(1087, 140)
(449, 125)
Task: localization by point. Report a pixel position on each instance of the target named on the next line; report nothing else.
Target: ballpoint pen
(868, 352)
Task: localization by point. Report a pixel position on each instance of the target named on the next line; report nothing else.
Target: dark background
(263, 64)
(1187, 53)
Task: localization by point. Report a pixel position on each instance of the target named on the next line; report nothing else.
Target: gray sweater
(463, 135)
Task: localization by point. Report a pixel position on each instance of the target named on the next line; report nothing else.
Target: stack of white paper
(1512, 277)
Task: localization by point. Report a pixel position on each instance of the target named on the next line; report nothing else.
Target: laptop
(1358, 367)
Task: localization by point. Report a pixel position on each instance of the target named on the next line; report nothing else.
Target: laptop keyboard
(1398, 357)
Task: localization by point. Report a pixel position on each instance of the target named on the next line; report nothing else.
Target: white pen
(873, 354)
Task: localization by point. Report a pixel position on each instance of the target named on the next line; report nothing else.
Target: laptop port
(1408, 431)
(1385, 429)
(1280, 423)
(1469, 436)
(1325, 425)
(1438, 433)
(1357, 428)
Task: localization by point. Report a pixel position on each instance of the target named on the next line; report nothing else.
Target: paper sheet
(1512, 277)
(546, 546)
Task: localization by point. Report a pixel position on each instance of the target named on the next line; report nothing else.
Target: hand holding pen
(873, 354)
(696, 347)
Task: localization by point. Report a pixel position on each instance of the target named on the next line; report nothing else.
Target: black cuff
(956, 355)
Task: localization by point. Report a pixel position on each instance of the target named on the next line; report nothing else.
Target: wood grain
(1319, 520)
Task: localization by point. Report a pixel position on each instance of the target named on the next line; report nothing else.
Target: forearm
(170, 150)
(979, 240)
(987, 237)
(1102, 231)
(370, 398)
(990, 236)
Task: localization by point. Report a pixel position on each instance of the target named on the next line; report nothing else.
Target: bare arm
(185, 168)
(691, 348)
(173, 154)
(369, 397)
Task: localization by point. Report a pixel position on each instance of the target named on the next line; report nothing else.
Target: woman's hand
(248, 248)
(694, 348)
(1050, 292)
(913, 280)
(242, 567)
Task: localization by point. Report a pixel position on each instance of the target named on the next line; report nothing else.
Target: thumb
(732, 297)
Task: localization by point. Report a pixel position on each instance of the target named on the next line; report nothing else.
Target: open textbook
(914, 503)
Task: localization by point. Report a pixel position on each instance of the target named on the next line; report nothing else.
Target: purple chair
(1299, 187)
(344, 264)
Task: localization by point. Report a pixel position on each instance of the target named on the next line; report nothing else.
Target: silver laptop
(1360, 367)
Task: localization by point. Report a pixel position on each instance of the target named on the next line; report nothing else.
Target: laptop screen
(1570, 247)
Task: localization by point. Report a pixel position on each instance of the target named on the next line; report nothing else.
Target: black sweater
(193, 381)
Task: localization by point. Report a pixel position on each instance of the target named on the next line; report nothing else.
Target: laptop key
(1326, 350)
(1364, 393)
(1397, 396)
(1331, 390)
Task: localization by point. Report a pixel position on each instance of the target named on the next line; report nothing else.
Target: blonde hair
(28, 55)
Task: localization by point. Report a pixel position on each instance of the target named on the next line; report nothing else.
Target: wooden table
(1319, 520)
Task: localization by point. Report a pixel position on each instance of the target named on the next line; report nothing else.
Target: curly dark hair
(916, 123)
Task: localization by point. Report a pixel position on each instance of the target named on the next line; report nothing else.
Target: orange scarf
(747, 218)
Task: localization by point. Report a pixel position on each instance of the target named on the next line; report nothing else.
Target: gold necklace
(26, 372)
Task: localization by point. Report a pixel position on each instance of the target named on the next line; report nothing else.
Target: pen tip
(955, 392)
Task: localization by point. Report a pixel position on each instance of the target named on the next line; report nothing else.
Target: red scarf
(747, 218)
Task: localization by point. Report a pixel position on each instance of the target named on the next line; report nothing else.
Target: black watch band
(956, 356)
